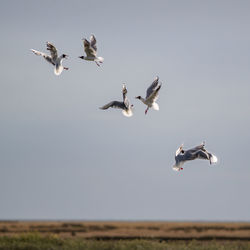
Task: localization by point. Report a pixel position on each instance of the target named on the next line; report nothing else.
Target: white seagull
(91, 51)
(199, 152)
(53, 58)
(151, 95)
(124, 105)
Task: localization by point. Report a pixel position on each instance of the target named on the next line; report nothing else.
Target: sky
(62, 158)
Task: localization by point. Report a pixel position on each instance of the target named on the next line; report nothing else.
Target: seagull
(91, 51)
(199, 152)
(125, 106)
(53, 58)
(151, 95)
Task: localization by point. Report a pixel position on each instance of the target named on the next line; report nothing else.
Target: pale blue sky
(63, 158)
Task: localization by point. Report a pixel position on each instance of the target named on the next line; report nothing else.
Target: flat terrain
(123, 235)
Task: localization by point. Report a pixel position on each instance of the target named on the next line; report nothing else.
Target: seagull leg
(65, 68)
(181, 168)
(97, 64)
(146, 111)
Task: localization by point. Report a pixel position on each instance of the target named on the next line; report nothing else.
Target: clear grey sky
(63, 158)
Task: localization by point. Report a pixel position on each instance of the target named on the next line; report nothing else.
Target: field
(123, 235)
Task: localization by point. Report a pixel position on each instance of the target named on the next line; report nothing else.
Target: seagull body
(53, 58)
(91, 51)
(199, 152)
(124, 105)
(151, 95)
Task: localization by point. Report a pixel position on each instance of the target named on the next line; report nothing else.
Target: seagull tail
(127, 113)
(100, 59)
(58, 70)
(213, 159)
(155, 106)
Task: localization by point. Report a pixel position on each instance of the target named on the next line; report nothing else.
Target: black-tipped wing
(153, 89)
(89, 50)
(114, 104)
(93, 42)
(53, 51)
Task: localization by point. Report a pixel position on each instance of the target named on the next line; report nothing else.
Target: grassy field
(124, 235)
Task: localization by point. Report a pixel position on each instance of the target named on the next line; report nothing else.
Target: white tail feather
(155, 106)
(127, 113)
(100, 59)
(58, 70)
(213, 159)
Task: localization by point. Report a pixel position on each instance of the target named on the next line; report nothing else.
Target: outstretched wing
(113, 104)
(53, 51)
(89, 50)
(93, 42)
(45, 56)
(152, 91)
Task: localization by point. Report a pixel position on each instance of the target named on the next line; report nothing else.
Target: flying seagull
(124, 105)
(53, 58)
(199, 152)
(151, 95)
(91, 51)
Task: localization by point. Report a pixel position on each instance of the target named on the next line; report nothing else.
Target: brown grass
(131, 230)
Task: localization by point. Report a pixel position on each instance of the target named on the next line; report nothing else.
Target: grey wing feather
(90, 52)
(45, 56)
(199, 147)
(113, 104)
(203, 155)
(93, 42)
(124, 95)
(53, 51)
(152, 87)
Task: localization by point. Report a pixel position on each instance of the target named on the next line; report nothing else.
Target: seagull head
(65, 56)
(138, 97)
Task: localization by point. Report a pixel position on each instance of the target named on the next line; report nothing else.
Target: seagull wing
(114, 104)
(53, 51)
(203, 155)
(93, 42)
(124, 95)
(46, 57)
(153, 89)
(199, 147)
(89, 50)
